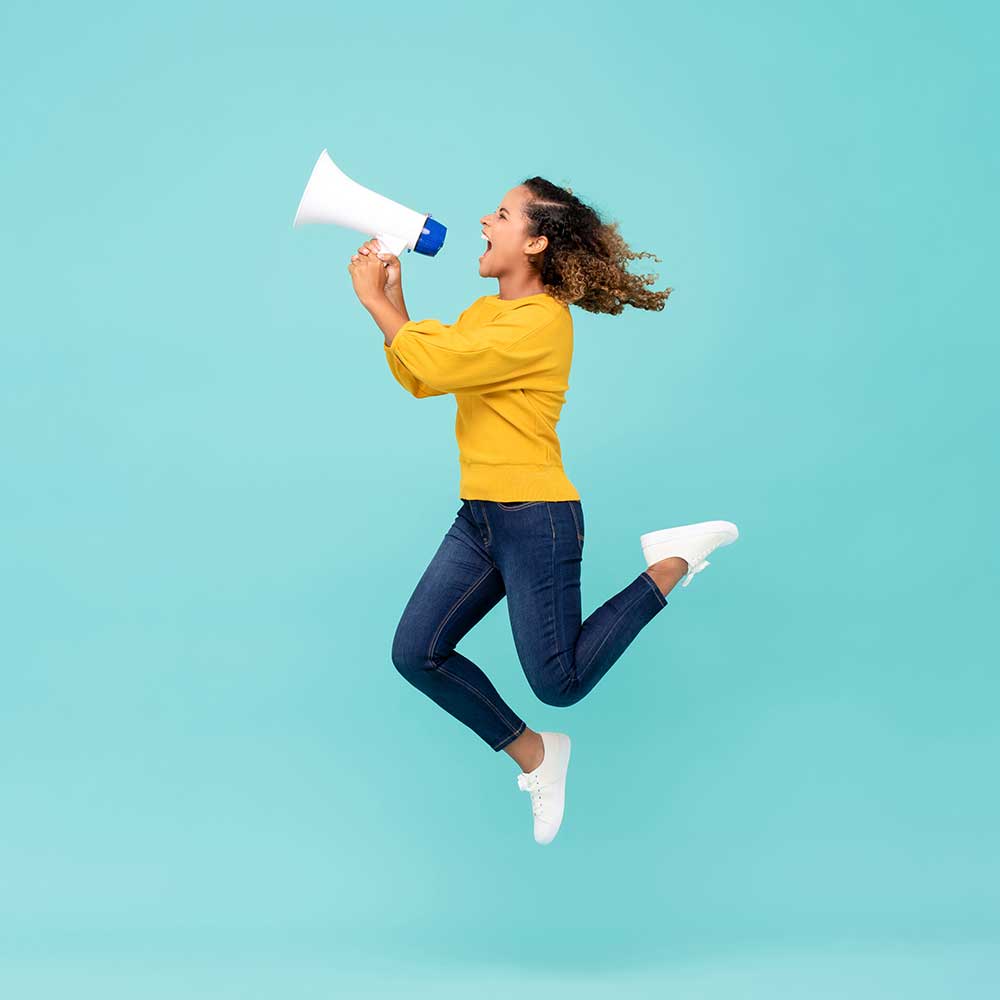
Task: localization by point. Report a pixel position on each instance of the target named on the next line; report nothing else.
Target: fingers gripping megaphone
(332, 197)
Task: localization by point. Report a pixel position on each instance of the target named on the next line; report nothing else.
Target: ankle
(536, 758)
(528, 750)
(667, 572)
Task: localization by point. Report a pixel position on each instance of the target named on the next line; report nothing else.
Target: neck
(518, 287)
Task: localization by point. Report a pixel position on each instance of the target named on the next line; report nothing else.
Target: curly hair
(584, 263)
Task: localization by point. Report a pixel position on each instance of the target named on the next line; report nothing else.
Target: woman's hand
(374, 272)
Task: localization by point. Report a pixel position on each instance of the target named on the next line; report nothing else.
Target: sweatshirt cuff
(389, 347)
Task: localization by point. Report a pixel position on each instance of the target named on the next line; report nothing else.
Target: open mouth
(489, 246)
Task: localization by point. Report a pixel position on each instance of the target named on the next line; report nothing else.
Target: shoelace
(695, 569)
(529, 783)
(697, 564)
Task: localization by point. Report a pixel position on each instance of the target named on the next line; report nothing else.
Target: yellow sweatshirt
(507, 362)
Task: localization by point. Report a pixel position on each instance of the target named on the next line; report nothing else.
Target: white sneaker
(692, 542)
(547, 785)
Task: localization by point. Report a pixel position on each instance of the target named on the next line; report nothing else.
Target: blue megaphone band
(431, 237)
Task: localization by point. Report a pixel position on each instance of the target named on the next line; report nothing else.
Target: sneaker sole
(568, 744)
(684, 531)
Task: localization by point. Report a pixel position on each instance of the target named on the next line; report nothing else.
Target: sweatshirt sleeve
(510, 352)
(408, 381)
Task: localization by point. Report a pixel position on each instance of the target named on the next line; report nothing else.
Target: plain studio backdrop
(216, 502)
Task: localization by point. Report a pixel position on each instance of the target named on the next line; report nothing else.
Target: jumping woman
(520, 530)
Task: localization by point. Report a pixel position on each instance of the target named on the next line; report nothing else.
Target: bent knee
(410, 654)
(559, 695)
(408, 661)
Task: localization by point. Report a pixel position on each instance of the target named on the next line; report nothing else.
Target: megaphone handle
(391, 244)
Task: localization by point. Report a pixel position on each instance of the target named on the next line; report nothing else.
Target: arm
(513, 351)
(394, 293)
(378, 286)
(377, 282)
(388, 316)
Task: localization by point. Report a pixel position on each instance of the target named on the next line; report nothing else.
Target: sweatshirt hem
(512, 482)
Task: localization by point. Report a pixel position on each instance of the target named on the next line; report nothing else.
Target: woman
(520, 530)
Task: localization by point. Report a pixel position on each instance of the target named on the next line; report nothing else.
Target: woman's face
(508, 244)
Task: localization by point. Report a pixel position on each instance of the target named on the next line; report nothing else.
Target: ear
(537, 244)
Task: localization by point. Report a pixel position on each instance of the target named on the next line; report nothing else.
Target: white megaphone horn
(332, 197)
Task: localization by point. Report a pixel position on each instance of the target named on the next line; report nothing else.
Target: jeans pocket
(518, 506)
(576, 509)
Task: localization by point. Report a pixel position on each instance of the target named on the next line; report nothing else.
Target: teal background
(216, 502)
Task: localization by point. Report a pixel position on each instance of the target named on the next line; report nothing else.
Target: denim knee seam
(452, 610)
(609, 633)
(448, 673)
(479, 694)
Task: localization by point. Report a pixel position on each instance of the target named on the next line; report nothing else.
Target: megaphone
(332, 197)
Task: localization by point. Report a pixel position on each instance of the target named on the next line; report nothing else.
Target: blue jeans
(531, 551)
